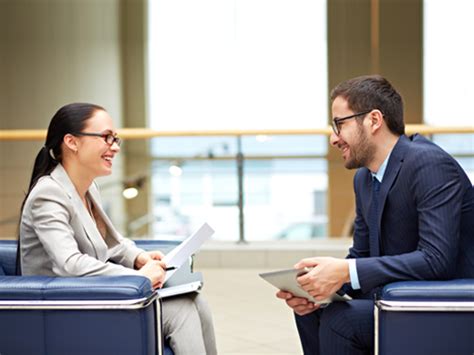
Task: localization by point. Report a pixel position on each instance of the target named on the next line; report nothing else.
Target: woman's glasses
(109, 138)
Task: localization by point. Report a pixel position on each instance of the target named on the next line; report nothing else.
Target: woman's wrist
(141, 260)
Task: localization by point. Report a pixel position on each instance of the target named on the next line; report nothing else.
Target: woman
(65, 232)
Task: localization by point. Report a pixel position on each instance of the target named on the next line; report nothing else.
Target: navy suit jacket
(426, 218)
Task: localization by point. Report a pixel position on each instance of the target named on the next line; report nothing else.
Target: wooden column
(133, 54)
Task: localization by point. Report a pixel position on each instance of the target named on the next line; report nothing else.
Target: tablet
(285, 280)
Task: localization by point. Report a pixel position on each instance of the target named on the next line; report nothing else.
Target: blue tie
(373, 219)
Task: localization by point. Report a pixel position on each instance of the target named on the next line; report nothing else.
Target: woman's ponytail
(44, 165)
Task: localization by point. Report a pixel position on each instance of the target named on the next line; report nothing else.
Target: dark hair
(370, 92)
(70, 118)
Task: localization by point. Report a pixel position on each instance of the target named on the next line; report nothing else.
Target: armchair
(425, 317)
(89, 315)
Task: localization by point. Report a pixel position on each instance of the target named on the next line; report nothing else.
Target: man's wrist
(347, 273)
(354, 278)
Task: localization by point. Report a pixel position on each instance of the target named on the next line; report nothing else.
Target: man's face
(353, 140)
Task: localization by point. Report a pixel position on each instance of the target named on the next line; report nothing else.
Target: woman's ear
(71, 143)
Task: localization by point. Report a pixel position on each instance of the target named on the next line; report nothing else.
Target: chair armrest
(92, 315)
(116, 289)
(439, 291)
(425, 317)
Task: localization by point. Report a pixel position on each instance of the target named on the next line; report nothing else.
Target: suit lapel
(90, 229)
(111, 238)
(394, 164)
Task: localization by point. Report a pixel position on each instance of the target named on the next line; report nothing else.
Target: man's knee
(352, 321)
(334, 319)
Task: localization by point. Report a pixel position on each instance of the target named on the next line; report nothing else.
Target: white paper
(188, 247)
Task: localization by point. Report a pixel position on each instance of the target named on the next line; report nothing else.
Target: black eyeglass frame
(337, 121)
(109, 138)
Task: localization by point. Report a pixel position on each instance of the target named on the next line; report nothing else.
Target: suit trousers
(341, 328)
(187, 325)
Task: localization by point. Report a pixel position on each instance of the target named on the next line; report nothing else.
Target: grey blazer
(58, 236)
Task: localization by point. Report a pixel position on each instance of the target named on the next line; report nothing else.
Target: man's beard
(362, 152)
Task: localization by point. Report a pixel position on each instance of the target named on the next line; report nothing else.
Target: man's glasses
(109, 138)
(336, 123)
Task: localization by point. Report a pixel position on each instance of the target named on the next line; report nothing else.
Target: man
(414, 219)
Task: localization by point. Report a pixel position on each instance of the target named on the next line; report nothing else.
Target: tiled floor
(248, 318)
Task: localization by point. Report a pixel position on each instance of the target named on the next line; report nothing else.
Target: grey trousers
(187, 325)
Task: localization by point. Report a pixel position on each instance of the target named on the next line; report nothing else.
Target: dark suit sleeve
(434, 181)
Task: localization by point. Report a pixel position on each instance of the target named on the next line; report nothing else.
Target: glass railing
(250, 186)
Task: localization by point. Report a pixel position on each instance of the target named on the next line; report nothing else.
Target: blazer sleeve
(51, 214)
(125, 253)
(436, 187)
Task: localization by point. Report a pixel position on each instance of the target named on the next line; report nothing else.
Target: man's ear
(70, 142)
(376, 120)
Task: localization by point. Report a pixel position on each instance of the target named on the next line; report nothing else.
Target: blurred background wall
(54, 52)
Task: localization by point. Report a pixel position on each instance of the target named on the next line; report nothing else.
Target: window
(449, 74)
(247, 64)
(447, 63)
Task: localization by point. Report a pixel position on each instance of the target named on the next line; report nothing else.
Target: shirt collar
(379, 174)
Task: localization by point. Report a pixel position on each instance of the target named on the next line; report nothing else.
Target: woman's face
(94, 154)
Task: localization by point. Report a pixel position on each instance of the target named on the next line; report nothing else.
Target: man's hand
(326, 276)
(146, 256)
(301, 306)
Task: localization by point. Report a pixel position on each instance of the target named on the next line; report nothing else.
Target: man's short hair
(370, 92)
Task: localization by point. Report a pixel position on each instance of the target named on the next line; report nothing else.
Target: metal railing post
(240, 182)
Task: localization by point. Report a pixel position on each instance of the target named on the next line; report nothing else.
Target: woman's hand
(146, 256)
(154, 270)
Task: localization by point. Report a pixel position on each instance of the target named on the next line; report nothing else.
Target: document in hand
(179, 255)
(285, 280)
